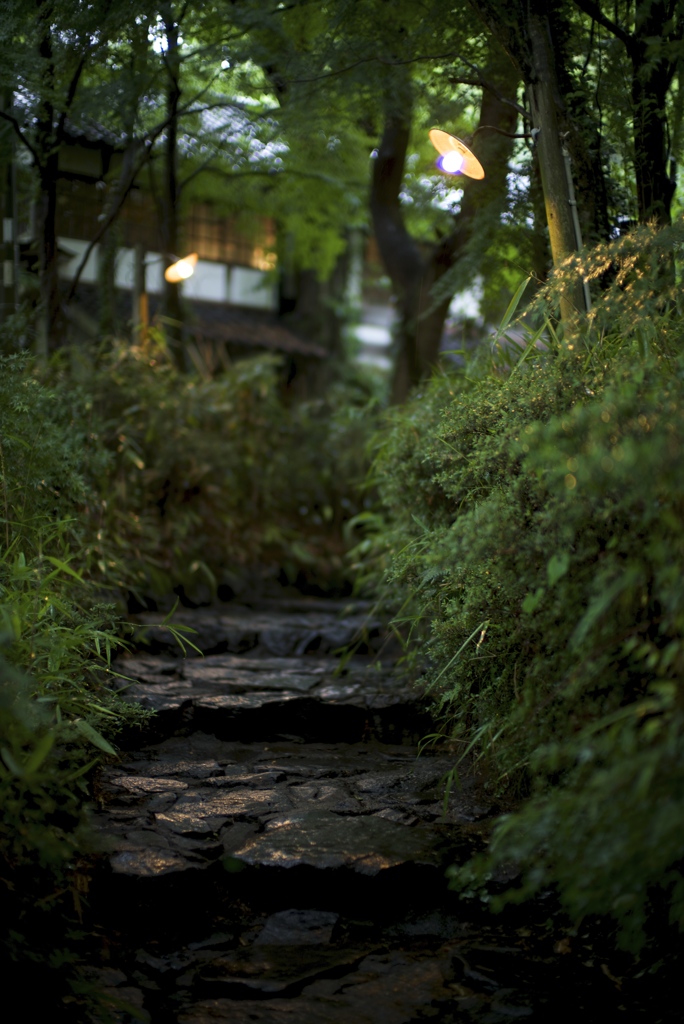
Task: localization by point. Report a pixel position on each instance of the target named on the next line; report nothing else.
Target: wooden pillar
(140, 315)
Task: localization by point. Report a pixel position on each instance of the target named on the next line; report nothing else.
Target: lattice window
(82, 204)
(220, 238)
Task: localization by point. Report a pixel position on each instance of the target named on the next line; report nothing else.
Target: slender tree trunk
(581, 133)
(654, 52)
(400, 253)
(541, 253)
(9, 226)
(655, 189)
(171, 192)
(531, 34)
(139, 310)
(311, 307)
(46, 205)
(543, 91)
(49, 334)
(8, 230)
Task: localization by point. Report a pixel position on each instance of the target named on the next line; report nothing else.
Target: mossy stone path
(275, 849)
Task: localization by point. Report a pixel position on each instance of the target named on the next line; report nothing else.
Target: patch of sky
(232, 126)
(251, 101)
(69, 37)
(447, 199)
(156, 34)
(518, 183)
(266, 151)
(465, 305)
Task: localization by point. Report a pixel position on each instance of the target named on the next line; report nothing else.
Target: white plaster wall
(124, 272)
(68, 267)
(209, 283)
(249, 287)
(373, 335)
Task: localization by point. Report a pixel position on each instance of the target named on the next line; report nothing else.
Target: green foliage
(206, 477)
(132, 477)
(640, 296)
(41, 808)
(42, 835)
(50, 623)
(534, 514)
(58, 716)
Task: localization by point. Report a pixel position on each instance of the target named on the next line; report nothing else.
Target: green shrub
(201, 478)
(535, 518)
(130, 477)
(41, 808)
(57, 714)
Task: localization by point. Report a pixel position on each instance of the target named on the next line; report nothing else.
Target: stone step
(189, 802)
(310, 966)
(257, 698)
(279, 631)
(260, 871)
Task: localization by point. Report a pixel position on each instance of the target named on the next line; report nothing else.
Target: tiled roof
(93, 133)
(251, 328)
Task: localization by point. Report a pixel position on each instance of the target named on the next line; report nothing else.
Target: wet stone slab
(325, 840)
(277, 631)
(469, 978)
(384, 987)
(262, 697)
(192, 801)
(227, 675)
(298, 928)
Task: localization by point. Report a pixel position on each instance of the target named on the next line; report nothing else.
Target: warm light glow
(455, 157)
(452, 162)
(181, 270)
(264, 260)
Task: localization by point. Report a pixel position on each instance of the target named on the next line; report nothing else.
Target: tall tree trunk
(399, 252)
(46, 205)
(544, 97)
(311, 307)
(541, 253)
(9, 225)
(653, 50)
(415, 269)
(652, 74)
(532, 33)
(171, 192)
(106, 274)
(581, 133)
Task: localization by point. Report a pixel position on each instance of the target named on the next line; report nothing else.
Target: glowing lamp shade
(182, 269)
(450, 163)
(454, 155)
